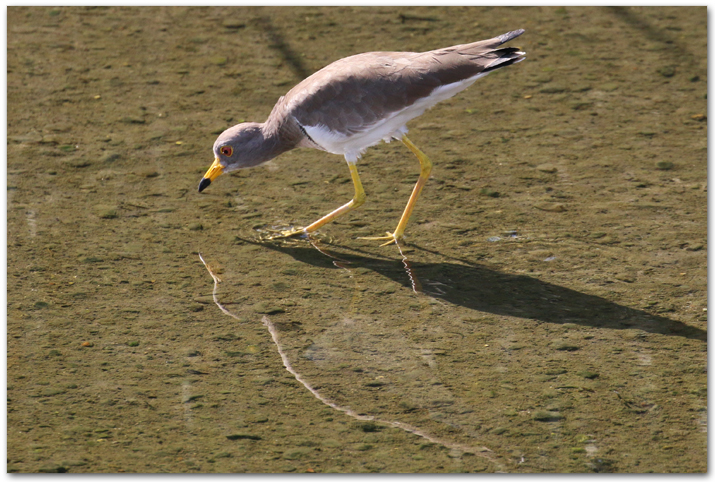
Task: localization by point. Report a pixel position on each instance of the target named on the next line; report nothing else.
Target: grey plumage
(352, 93)
(357, 101)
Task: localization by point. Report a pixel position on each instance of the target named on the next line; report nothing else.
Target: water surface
(548, 314)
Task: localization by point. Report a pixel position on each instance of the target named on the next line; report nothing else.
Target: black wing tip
(505, 63)
(504, 38)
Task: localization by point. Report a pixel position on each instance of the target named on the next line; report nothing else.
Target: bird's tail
(504, 57)
(492, 57)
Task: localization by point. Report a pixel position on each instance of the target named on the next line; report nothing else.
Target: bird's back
(358, 100)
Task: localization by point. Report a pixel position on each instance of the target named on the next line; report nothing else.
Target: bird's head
(238, 147)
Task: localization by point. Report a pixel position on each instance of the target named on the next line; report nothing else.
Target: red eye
(227, 151)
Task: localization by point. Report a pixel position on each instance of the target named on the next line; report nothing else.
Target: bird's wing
(352, 94)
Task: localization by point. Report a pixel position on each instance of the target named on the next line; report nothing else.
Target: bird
(356, 102)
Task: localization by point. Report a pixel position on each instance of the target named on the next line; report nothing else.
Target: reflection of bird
(355, 103)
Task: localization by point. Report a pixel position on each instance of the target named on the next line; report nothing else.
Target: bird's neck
(274, 142)
(281, 131)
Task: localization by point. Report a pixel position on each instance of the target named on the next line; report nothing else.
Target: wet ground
(548, 315)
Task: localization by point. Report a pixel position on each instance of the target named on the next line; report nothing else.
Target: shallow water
(547, 315)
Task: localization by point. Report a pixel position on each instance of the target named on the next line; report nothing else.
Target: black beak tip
(204, 183)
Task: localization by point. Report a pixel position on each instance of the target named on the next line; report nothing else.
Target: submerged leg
(356, 201)
(425, 169)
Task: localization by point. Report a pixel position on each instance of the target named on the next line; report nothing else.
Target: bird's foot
(391, 238)
(272, 234)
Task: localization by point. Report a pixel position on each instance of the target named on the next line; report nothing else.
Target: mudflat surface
(548, 314)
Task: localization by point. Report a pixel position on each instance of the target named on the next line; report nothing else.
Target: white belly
(391, 127)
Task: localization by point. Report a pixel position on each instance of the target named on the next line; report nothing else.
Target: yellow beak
(214, 171)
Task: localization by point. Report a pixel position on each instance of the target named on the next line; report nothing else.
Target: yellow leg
(356, 201)
(425, 169)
